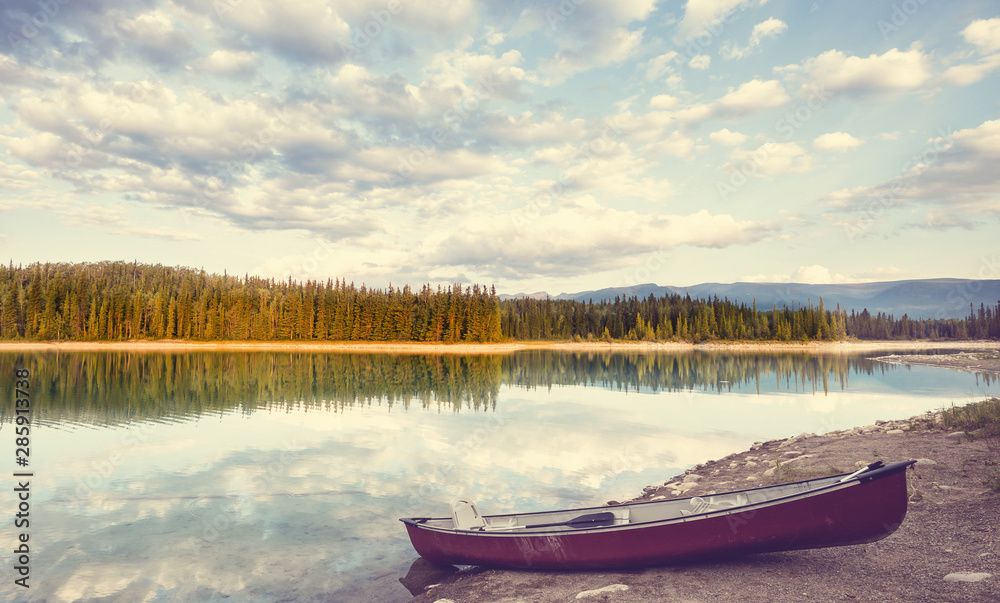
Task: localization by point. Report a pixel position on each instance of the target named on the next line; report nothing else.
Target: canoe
(846, 509)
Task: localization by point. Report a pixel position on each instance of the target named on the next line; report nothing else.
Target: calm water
(280, 476)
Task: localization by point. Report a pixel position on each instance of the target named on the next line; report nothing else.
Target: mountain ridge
(916, 298)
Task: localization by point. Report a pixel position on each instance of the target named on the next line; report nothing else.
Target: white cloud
(725, 137)
(892, 71)
(308, 30)
(754, 95)
(228, 62)
(663, 101)
(15, 177)
(815, 274)
(581, 236)
(836, 141)
(702, 61)
(774, 158)
(970, 73)
(660, 66)
(528, 128)
(703, 17)
(767, 29)
(984, 33)
(958, 170)
(609, 47)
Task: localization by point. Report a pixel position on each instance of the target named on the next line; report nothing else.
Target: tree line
(675, 318)
(119, 301)
(115, 301)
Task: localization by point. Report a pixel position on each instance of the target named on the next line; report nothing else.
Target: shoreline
(489, 348)
(945, 549)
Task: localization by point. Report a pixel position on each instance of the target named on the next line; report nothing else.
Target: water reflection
(280, 476)
(115, 388)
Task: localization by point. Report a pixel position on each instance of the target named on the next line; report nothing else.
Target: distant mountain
(922, 298)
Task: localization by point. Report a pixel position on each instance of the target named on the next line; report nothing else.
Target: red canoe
(839, 510)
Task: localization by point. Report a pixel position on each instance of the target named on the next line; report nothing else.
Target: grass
(980, 420)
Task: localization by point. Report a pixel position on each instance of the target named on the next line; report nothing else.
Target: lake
(266, 476)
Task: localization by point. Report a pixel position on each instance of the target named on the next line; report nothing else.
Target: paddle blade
(593, 520)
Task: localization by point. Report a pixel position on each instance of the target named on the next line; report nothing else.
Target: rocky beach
(948, 548)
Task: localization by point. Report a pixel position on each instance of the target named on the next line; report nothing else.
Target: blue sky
(557, 146)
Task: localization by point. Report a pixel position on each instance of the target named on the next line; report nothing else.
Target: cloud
(115, 219)
(238, 63)
(892, 71)
(16, 177)
(155, 36)
(767, 29)
(702, 61)
(662, 102)
(309, 31)
(703, 17)
(837, 142)
(956, 171)
(530, 128)
(606, 48)
(815, 274)
(725, 137)
(747, 99)
(970, 73)
(773, 158)
(984, 33)
(580, 237)
(662, 65)
(751, 96)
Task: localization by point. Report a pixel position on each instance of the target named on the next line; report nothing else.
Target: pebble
(611, 588)
(753, 478)
(967, 577)
(685, 487)
(733, 465)
(770, 472)
(792, 453)
(895, 432)
(694, 477)
(444, 601)
(802, 458)
(926, 462)
(751, 464)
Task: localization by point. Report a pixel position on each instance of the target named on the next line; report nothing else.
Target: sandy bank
(484, 348)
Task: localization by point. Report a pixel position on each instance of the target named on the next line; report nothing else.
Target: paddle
(594, 520)
(874, 465)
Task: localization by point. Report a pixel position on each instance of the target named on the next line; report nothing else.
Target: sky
(559, 146)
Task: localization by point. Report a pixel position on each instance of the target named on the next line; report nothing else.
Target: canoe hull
(856, 513)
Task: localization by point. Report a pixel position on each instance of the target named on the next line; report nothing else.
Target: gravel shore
(948, 548)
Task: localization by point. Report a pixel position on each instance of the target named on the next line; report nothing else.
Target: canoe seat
(465, 515)
(715, 503)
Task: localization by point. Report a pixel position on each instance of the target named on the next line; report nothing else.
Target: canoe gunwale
(836, 484)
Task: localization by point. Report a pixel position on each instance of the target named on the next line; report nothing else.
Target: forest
(122, 301)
